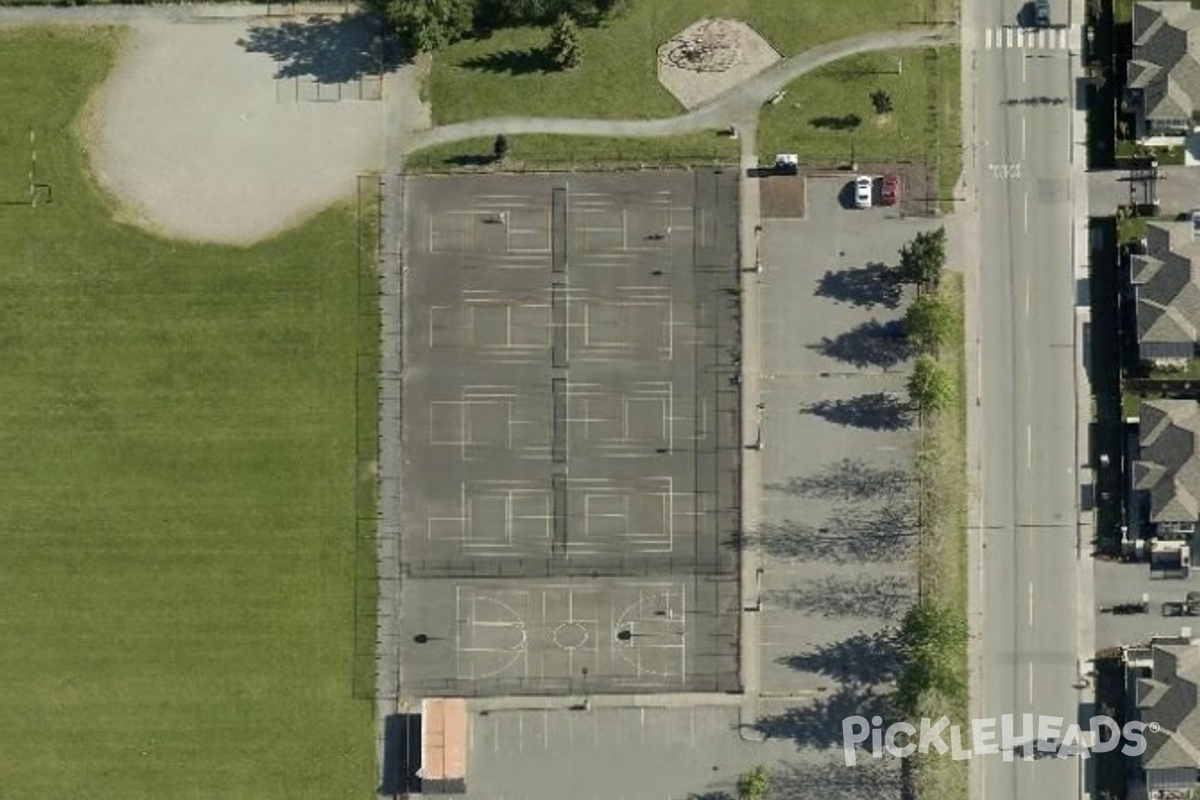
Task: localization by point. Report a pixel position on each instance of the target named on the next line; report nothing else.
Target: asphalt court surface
(570, 433)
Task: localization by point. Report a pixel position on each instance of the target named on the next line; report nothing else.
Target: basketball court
(570, 433)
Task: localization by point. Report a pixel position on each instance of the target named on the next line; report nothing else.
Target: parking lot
(838, 445)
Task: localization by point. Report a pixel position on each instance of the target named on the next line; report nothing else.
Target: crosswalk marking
(1010, 38)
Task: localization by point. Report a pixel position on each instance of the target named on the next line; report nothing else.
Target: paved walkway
(737, 104)
(118, 14)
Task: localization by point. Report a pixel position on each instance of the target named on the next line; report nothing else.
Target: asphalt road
(1026, 375)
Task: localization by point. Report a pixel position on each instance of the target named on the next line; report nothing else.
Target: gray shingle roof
(1169, 698)
(1169, 468)
(1168, 288)
(1166, 58)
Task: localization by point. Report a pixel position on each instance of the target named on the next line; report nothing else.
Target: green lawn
(942, 571)
(1131, 229)
(504, 75)
(828, 114)
(548, 151)
(180, 485)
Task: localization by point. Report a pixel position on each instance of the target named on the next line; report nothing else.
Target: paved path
(728, 108)
(119, 14)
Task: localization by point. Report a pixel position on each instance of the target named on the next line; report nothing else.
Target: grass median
(180, 483)
(942, 570)
(545, 151)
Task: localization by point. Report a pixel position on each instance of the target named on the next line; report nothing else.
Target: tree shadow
(819, 724)
(869, 344)
(879, 779)
(884, 597)
(514, 62)
(867, 287)
(330, 49)
(852, 535)
(878, 411)
(848, 479)
(845, 122)
(864, 658)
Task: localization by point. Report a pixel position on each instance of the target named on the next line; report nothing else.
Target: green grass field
(180, 480)
(503, 74)
(828, 113)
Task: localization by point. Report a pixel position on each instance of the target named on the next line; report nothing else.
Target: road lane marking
(1024, 62)
(1022, 136)
(1062, 37)
(987, 38)
(1008, 37)
(1031, 608)
(1025, 213)
(1029, 449)
(1030, 683)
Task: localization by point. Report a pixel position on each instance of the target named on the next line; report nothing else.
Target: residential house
(1166, 285)
(1166, 480)
(1163, 76)
(1165, 681)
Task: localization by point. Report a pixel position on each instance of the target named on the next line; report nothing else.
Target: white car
(864, 187)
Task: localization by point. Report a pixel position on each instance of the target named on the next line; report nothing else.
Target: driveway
(1178, 190)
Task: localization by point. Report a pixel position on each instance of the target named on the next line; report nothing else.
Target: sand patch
(225, 131)
(710, 57)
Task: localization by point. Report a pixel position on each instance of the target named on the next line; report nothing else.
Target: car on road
(864, 187)
(1041, 13)
(889, 191)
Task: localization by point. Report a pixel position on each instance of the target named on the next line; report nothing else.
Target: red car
(890, 194)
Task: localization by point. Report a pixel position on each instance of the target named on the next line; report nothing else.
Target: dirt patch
(782, 196)
(231, 131)
(710, 57)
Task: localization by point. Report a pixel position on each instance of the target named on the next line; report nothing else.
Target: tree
(500, 147)
(882, 101)
(930, 387)
(754, 785)
(931, 641)
(564, 43)
(427, 25)
(930, 322)
(922, 259)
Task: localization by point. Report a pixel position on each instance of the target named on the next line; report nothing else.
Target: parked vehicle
(1172, 609)
(889, 193)
(787, 164)
(864, 187)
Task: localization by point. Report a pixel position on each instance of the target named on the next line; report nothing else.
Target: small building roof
(443, 746)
